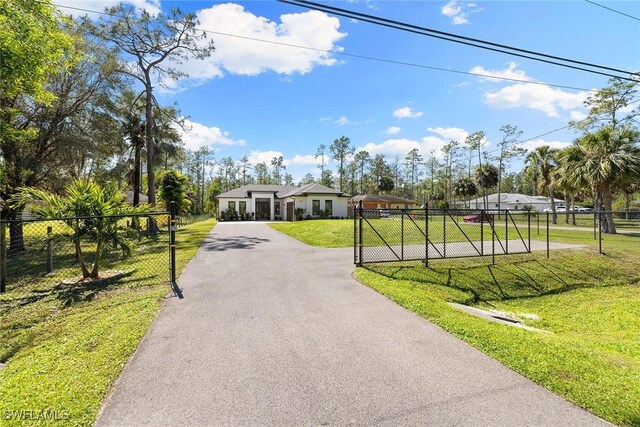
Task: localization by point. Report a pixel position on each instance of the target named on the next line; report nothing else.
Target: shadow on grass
(500, 282)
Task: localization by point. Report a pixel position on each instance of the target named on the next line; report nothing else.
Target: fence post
(3, 258)
(172, 243)
(547, 235)
(600, 232)
(426, 235)
(402, 234)
(49, 250)
(444, 233)
(506, 232)
(482, 231)
(529, 230)
(493, 239)
(360, 234)
(355, 235)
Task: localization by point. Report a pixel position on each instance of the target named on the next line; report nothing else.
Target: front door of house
(289, 211)
(263, 208)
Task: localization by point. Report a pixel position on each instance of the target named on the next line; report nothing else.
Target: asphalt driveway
(274, 332)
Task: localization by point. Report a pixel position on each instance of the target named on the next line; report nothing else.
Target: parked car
(581, 209)
(485, 217)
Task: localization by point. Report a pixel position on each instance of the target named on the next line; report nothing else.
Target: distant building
(510, 201)
(380, 201)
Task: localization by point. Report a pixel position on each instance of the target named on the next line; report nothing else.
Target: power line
(455, 38)
(612, 10)
(366, 57)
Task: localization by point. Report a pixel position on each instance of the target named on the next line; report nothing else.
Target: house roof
(129, 197)
(380, 198)
(313, 189)
(280, 191)
(246, 190)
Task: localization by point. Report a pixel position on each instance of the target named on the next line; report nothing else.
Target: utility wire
(510, 50)
(612, 10)
(366, 57)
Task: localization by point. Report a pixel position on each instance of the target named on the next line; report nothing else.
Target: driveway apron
(274, 332)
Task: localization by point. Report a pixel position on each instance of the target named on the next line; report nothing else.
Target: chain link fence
(96, 250)
(387, 235)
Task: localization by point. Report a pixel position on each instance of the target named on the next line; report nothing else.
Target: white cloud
(392, 130)
(459, 11)
(299, 159)
(258, 156)
(344, 120)
(426, 145)
(324, 119)
(450, 133)
(151, 6)
(391, 147)
(577, 115)
(243, 56)
(406, 112)
(532, 145)
(196, 135)
(508, 73)
(539, 97)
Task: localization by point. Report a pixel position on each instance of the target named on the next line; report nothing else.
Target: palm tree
(603, 160)
(486, 177)
(542, 160)
(465, 188)
(91, 214)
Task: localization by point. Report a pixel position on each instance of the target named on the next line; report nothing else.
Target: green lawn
(590, 303)
(65, 345)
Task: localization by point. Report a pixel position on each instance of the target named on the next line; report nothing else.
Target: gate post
(444, 233)
(529, 230)
(360, 234)
(547, 235)
(355, 234)
(402, 212)
(482, 232)
(172, 244)
(426, 235)
(506, 232)
(600, 232)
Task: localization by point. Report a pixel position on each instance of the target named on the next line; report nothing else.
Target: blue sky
(263, 99)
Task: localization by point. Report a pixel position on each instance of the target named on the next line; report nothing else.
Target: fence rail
(63, 251)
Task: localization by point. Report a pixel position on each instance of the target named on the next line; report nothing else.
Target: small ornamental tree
(90, 212)
(173, 188)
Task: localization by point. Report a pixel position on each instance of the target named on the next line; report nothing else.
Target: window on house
(243, 207)
(315, 207)
(232, 205)
(328, 207)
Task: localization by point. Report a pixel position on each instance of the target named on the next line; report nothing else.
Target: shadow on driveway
(235, 242)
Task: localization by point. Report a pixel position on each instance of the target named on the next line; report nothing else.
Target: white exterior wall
(224, 204)
(258, 195)
(306, 203)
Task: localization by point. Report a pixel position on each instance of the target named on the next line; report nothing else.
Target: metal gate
(387, 235)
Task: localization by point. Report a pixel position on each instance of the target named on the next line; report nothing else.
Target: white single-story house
(271, 202)
(511, 201)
